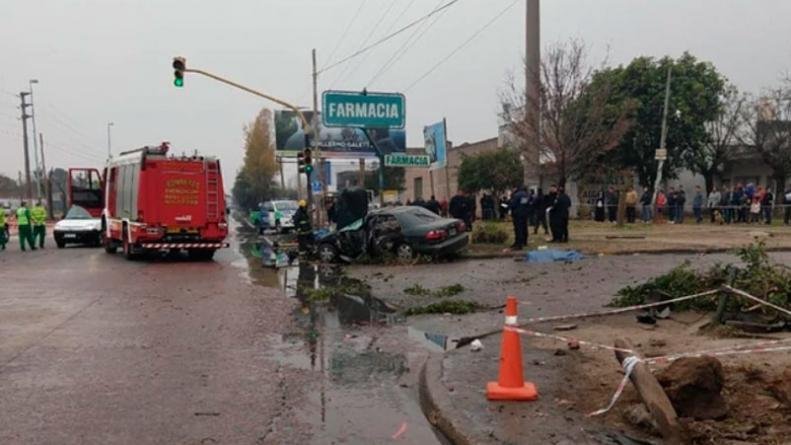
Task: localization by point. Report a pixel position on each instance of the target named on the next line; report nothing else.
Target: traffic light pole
(292, 107)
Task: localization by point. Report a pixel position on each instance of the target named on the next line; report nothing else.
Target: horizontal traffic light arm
(295, 109)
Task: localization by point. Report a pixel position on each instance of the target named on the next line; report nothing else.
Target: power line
(460, 47)
(405, 47)
(345, 32)
(389, 36)
(386, 31)
(367, 39)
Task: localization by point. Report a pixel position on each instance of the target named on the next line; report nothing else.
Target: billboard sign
(435, 144)
(363, 109)
(334, 142)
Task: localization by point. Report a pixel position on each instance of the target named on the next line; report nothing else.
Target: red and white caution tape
(589, 344)
(628, 366)
(630, 362)
(619, 310)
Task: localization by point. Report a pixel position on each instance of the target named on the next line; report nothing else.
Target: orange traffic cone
(510, 384)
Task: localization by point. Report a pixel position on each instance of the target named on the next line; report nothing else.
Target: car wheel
(327, 252)
(60, 244)
(405, 252)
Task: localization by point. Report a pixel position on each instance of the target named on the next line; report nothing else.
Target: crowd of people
(31, 226)
(738, 204)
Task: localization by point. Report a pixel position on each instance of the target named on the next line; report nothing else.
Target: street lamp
(109, 145)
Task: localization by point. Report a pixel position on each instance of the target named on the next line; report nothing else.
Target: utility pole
(39, 173)
(46, 177)
(282, 177)
(532, 89)
(662, 152)
(25, 116)
(315, 141)
(109, 144)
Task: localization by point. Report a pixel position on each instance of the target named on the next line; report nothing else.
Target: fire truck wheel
(202, 254)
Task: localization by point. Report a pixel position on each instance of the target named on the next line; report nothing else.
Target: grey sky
(109, 60)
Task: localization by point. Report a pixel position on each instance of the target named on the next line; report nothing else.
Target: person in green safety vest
(23, 226)
(3, 237)
(38, 215)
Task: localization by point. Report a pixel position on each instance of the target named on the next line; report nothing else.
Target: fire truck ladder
(212, 191)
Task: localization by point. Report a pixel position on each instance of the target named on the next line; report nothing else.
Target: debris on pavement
(565, 327)
(476, 345)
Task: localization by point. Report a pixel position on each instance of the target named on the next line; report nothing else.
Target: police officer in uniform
(302, 224)
(519, 210)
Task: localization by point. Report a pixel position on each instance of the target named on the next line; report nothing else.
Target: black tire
(201, 254)
(60, 244)
(327, 252)
(109, 245)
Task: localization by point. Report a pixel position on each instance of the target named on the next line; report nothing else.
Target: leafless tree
(767, 128)
(576, 126)
(717, 150)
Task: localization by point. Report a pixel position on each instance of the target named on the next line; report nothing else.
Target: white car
(78, 227)
(278, 215)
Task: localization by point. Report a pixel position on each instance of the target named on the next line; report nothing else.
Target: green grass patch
(456, 307)
(417, 290)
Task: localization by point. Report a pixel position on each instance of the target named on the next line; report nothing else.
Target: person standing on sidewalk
(661, 203)
(631, 205)
(713, 202)
(645, 202)
(23, 227)
(766, 205)
(3, 237)
(38, 216)
(671, 205)
(519, 208)
(697, 205)
(611, 202)
(301, 221)
(681, 200)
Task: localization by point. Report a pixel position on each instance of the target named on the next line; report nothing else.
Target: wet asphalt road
(97, 349)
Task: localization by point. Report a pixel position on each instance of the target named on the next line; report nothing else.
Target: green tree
(696, 89)
(254, 181)
(497, 170)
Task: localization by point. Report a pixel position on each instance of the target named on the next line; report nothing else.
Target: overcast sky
(109, 60)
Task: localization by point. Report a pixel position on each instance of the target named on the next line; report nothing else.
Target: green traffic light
(179, 82)
(308, 169)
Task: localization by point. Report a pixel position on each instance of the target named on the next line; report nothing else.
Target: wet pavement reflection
(364, 391)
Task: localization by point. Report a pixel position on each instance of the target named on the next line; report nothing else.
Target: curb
(437, 406)
(673, 251)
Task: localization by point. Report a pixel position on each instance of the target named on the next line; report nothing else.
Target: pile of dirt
(694, 385)
(757, 412)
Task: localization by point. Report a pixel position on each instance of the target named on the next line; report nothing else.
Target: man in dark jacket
(559, 217)
(645, 201)
(542, 203)
(458, 206)
(519, 204)
(766, 205)
(611, 202)
(681, 199)
(433, 205)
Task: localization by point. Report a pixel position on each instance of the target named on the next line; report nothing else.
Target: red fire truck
(156, 202)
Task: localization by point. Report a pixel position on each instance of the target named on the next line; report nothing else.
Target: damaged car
(401, 231)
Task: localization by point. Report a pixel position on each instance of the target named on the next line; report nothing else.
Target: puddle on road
(359, 397)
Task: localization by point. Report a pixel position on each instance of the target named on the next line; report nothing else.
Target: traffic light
(179, 65)
(301, 162)
(308, 162)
